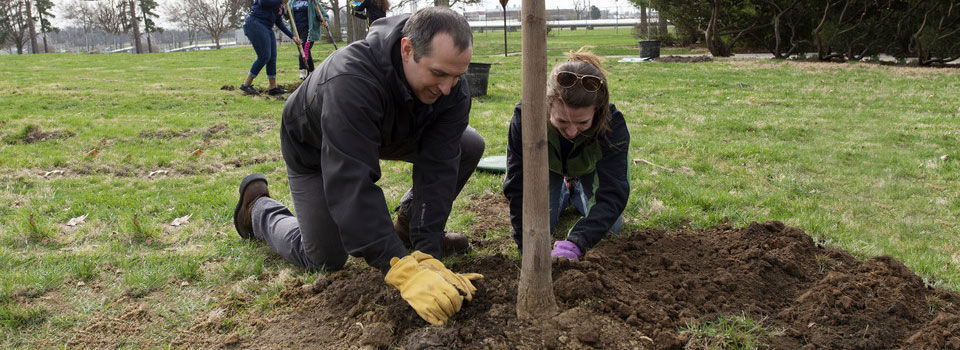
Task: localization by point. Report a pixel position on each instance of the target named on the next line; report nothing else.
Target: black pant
(312, 239)
(305, 63)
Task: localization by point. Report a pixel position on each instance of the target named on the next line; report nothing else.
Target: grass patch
(728, 332)
(862, 157)
(15, 316)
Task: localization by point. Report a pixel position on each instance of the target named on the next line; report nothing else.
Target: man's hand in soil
(460, 280)
(425, 289)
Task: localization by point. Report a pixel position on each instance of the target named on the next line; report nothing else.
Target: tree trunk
(356, 28)
(135, 28)
(535, 299)
(146, 30)
(441, 3)
(662, 22)
(335, 28)
(504, 31)
(644, 25)
(43, 32)
(714, 43)
(31, 26)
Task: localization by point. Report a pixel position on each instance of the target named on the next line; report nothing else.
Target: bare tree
(100, 14)
(13, 24)
(335, 29)
(579, 6)
(211, 16)
(6, 24)
(451, 3)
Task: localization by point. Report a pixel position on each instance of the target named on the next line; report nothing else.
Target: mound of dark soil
(637, 292)
(166, 134)
(33, 133)
(683, 59)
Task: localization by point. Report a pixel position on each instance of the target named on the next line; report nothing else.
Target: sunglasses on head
(591, 83)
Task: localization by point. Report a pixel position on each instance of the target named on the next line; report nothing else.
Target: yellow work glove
(459, 280)
(430, 295)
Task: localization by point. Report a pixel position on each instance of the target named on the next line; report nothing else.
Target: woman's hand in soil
(430, 295)
(460, 280)
(566, 250)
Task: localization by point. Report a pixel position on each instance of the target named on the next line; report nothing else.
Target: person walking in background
(371, 10)
(587, 150)
(258, 27)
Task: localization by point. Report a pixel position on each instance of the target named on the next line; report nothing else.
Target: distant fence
(513, 24)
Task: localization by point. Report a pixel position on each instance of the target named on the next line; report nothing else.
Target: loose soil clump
(683, 59)
(638, 291)
(33, 134)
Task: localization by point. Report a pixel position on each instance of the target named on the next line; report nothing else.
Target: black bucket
(649, 48)
(477, 76)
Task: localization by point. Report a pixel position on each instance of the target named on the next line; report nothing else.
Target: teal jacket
(603, 157)
(316, 16)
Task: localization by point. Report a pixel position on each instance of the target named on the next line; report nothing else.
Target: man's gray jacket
(357, 108)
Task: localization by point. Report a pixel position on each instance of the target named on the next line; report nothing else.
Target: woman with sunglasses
(588, 141)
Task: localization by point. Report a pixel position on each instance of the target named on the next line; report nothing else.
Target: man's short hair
(427, 22)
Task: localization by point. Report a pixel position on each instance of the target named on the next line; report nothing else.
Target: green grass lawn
(862, 157)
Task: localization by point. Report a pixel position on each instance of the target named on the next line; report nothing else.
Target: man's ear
(406, 49)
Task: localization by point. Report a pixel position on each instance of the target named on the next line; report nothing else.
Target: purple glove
(566, 250)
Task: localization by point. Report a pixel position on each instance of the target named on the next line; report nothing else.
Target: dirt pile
(33, 133)
(683, 59)
(637, 292)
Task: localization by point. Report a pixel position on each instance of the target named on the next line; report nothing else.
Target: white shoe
(303, 74)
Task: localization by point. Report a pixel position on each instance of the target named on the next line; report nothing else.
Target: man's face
(437, 72)
(570, 121)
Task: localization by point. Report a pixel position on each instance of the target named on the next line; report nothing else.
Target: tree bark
(43, 33)
(535, 299)
(644, 24)
(335, 28)
(31, 26)
(662, 22)
(135, 27)
(146, 30)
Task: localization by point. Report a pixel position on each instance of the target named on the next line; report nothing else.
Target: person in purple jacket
(258, 27)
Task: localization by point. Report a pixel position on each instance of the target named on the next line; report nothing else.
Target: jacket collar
(553, 136)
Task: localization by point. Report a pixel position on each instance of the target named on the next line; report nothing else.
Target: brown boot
(453, 242)
(402, 227)
(253, 187)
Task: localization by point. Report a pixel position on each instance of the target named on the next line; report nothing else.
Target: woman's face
(570, 121)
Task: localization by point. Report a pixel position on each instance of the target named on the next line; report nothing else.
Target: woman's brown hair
(582, 62)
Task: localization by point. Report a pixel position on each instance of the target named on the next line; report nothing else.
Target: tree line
(24, 22)
(835, 29)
